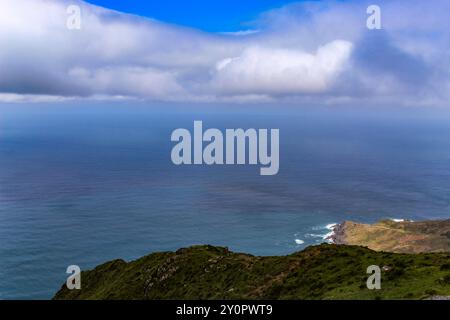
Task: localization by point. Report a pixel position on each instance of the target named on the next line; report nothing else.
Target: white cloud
(132, 81)
(302, 52)
(282, 71)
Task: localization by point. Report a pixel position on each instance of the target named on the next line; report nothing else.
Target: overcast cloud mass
(302, 53)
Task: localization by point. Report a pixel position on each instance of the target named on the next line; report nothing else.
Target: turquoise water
(86, 184)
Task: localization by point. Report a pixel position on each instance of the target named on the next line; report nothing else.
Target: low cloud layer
(301, 53)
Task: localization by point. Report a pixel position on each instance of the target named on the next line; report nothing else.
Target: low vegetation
(400, 236)
(319, 272)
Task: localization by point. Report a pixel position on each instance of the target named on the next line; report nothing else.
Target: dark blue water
(86, 184)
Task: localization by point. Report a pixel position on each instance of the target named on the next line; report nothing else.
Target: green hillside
(318, 272)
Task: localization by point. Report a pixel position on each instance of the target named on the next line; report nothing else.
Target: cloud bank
(301, 53)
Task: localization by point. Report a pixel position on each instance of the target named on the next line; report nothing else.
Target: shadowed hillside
(318, 272)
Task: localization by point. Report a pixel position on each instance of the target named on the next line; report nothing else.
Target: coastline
(337, 234)
(394, 235)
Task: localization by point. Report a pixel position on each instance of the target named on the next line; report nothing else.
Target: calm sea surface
(86, 184)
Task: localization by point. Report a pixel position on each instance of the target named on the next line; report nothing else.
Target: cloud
(261, 70)
(318, 52)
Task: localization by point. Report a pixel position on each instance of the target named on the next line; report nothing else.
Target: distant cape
(396, 235)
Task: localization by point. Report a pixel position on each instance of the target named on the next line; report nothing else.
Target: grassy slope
(401, 237)
(319, 272)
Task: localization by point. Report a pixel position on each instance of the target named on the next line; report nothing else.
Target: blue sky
(207, 15)
(300, 53)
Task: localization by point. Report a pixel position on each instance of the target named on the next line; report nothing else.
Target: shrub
(445, 266)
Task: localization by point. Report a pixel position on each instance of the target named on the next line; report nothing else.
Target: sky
(284, 52)
(211, 16)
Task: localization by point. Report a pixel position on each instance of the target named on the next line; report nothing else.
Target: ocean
(84, 184)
